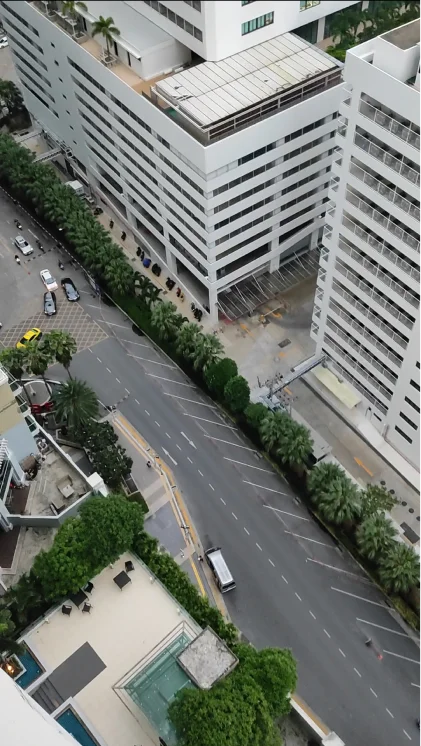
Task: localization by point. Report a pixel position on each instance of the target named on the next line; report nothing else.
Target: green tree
(295, 445)
(399, 569)
(148, 292)
(207, 352)
(8, 644)
(65, 567)
(273, 428)
(105, 27)
(255, 415)
(11, 97)
(341, 503)
(75, 404)
(36, 358)
(274, 670)
(13, 360)
(375, 535)
(376, 498)
(24, 596)
(188, 338)
(112, 464)
(218, 374)
(117, 273)
(165, 319)
(60, 346)
(237, 394)
(322, 476)
(109, 526)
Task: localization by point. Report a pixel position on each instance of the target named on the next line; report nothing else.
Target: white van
(219, 567)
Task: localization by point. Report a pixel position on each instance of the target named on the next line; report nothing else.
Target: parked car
(50, 303)
(29, 336)
(4, 42)
(70, 289)
(48, 280)
(23, 245)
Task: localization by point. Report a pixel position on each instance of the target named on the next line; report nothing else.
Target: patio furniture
(89, 587)
(87, 607)
(129, 566)
(79, 598)
(122, 579)
(65, 486)
(66, 609)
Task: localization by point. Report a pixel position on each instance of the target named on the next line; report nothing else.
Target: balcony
(358, 386)
(390, 124)
(356, 366)
(32, 424)
(381, 248)
(365, 333)
(386, 223)
(23, 405)
(324, 255)
(385, 191)
(388, 159)
(361, 351)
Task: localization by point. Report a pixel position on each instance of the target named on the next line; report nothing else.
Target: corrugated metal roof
(214, 90)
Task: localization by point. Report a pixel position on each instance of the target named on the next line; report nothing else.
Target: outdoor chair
(89, 587)
(129, 566)
(87, 607)
(66, 609)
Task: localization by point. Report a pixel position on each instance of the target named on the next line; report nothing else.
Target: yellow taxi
(29, 336)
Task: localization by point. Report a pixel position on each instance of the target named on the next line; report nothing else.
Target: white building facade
(186, 190)
(366, 313)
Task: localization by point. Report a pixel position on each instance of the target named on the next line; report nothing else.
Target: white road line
(299, 597)
(265, 488)
(314, 541)
(293, 515)
(127, 391)
(168, 436)
(247, 532)
(326, 632)
(200, 472)
(177, 446)
(284, 579)
(241, 463)
(358, 673)
(342, 653)
(138, 402)
(360, 598)
(417, 685)
(229, 443)
(311, 614)
(189, 459)
(189, 385)
(212, 488)
(99, 360)
(259, 547)
(222, 500)
(32, 233)
(165, 365)
(234, 516)
(272, 563)
(108, 370)
(387, 629)
(90, 305)
(157, 423)
(408, 737)
(118, 380)
(170, 457)
(139, 344)
(404, 657)
(389, 713)
(212, 422)
(145, 411)
(188, 439)
(192, 401)
(119, 325)
(373, 692)
(332, 567)
(85, 292)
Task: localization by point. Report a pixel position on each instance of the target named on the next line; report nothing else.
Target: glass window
(249, 26)
(308, 32)
(306, 4)
(404, 435)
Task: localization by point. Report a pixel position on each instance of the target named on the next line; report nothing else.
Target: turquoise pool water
(72, 724)
(33, 669)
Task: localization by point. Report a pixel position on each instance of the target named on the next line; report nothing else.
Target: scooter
(18, 225)
(61, 265)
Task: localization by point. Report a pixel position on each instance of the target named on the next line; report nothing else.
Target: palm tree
(69, 9)
(165, 319)
(271, 430)
(375, 535)
(341, 503)
(8, 644)
(119, 275)
(208, 351)
(149, 293)
(61, 346)
(24, 596)
(75, 404)
(295, 445)
(188, 338)
(399, 569)
(322, 476)
(13, 359)
(105, 27)
(36, 358)
(375, 499)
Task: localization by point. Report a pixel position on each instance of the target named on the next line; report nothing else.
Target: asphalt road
(295, 588)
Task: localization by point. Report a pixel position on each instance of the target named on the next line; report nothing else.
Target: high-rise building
(366, 315)
(219, 167)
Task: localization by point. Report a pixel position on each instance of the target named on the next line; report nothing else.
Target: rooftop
(404, 37)
(94, 658)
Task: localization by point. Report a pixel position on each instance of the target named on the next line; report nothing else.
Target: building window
(403, 435)
(308, 32)
(256, 23)
(185, 25)
(406, 419)
(415, 385)
(412, 404)
(196, 4)
(306, 4)
(247, 2)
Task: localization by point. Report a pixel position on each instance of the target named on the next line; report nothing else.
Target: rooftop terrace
(404, 37)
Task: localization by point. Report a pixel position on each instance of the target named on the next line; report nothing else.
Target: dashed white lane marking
(357, 672)
(157, 423)
(404, 657)
(326, 633)
(212, 488)
(314, 541)
(192, 401)
(234, 516)
(170, 457)
(168, 436)
(408, 737)
(417, 685)
(311, 614)
(299, 597)
(343, 654)
(145, 360)
(212, 422)
(229, 443)
(99, 360)
(390, 713)
(146, 411)
(189, 459)
(247, 532)
(360, 598)
(272, 563)
(138, 344)
(127, 391)
(387, 629)
(373, 692)
(200, 472)
(241, 463)
(284, 579)
(118, 380)
(259, 547)
(190, 442)
(332, 567)
(286, 513)
(177, 446)
(222, 500)
(190, 385)
(108, 370)
(138, 402)
(265, 488)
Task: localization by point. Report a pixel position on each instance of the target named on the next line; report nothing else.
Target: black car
(50, 304)
(70, 289)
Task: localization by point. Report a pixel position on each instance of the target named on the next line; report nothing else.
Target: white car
(3, 42)
(23, 245)
(48, 280)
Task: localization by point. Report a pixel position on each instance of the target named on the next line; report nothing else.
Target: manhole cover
(284, 343)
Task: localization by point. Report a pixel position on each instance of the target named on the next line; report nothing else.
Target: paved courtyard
(70, 317)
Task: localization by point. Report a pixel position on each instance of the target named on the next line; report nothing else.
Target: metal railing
(324, 254)
(385, 191)
(361, 351)
(366, 394)
(365, 333)
(368, 314)
(389, 160)
(390, 124)
(356, 366)
(386, 223)
(381, 248)
(372, 293)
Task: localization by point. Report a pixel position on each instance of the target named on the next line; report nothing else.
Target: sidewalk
(168, 519)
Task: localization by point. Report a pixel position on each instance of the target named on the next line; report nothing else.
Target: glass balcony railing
(390, 124)
(385, 191)
(356, 383)
(361, 351)
(356, 366)
(365, 333)
(390, 226)
(389, 160)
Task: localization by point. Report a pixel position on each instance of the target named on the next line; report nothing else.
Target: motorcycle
(18, 225)
(61, 265)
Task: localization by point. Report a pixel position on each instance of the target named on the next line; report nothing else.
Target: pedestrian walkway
(168, 519)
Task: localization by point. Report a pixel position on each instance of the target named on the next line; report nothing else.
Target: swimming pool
(70, 722)
(33, 669)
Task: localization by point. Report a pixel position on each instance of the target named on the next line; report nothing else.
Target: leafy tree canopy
(218, 374)
(376, 498)
(237, 394)
(109, 526)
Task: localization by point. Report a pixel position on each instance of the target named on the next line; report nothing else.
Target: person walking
(111, 224)
(123, 236)
(17, 260)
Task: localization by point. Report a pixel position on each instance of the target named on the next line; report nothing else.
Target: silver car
(50, 304)
(23, 245)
